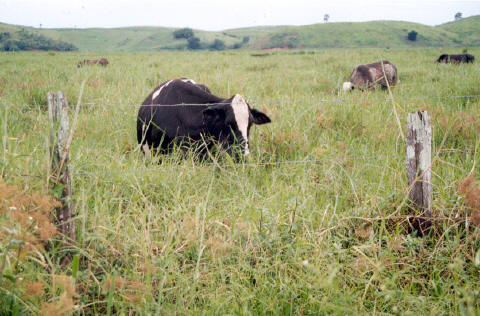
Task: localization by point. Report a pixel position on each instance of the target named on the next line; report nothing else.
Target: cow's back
(383, 71)
(367, 76)
(173, 109)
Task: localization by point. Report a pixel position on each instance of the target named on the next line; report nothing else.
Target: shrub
(217, 45)
(183, 33)
(194, 43)
(412, 36)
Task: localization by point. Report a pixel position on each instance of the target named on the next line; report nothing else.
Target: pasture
(314, 222)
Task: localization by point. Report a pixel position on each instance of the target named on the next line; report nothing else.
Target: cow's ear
(211, 112)
(259, 118)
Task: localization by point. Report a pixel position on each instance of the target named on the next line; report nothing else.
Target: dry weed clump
(95, 83)
(467, 124)
(26, 221)
(322, 121)
(132, 291)
(65, 305)
(470, 189)
(217, 236)
(28, 215)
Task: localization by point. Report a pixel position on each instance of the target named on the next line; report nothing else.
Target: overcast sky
(217, 15)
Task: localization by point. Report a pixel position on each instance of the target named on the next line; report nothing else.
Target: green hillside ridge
(131, 39)
(361, 34)
(467, 29)
(27, 39)
(462, 33)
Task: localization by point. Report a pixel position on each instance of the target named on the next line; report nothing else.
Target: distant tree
(237, 45)
(25, 40)
(194, 43)
(326, 17)
(5, 36)
(183, 33)
(217, 45)
(412, 36)
(246, 39)
(458, 16)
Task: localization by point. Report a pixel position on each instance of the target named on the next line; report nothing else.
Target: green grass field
(314, 223)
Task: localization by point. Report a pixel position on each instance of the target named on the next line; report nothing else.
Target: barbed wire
(243, 165)
(259, 164)
(262, 102)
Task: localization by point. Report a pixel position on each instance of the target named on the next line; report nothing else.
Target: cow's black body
(180, 112)
(460, 58)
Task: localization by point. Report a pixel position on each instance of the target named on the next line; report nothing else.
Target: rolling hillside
(462, 33)
(467, 30)
(364, 34)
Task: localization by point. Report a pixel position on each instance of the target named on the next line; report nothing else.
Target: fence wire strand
(265, 102)
(259, 164)
(262, 163)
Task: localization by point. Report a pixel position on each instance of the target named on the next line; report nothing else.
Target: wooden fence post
(419, 152)
(58, 112)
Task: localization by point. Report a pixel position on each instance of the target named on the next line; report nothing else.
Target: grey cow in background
(369, 76)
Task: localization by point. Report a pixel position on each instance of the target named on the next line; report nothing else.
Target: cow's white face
(242, 115)
(347, 86)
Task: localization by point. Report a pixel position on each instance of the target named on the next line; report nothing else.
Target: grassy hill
(130, 39)
(363, 34)
(466, 29)
(465, 32)
(15, 39)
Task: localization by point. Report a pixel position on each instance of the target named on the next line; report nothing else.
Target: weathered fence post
(419, 152)
(60, 156)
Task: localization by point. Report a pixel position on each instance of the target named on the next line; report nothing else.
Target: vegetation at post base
(23, 239)
(24, 41)
(315, 222)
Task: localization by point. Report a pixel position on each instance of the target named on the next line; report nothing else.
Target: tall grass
(325, 234)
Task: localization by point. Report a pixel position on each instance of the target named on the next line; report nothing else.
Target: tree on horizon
(412, 36)
(183, 33)
(194, 43)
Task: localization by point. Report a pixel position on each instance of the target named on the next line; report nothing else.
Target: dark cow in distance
(88, 62)
(261, 55)
(460, 58)
(103, 62)
(180, 112)
(370, 75)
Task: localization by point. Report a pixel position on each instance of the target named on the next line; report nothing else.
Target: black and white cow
(460, 58)
(182, 112)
